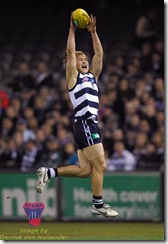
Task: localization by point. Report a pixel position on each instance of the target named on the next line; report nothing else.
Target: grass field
(92, 231)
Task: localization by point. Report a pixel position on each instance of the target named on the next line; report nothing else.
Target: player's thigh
(94, 151)
(95, 155)
(83, 161)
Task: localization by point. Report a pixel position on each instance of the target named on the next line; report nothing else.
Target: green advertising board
(135, 196)
(18, 188)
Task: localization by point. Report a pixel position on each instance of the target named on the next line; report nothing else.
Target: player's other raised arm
(97, 60)
(71, 72)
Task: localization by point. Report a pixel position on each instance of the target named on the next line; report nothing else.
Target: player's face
(82, 63)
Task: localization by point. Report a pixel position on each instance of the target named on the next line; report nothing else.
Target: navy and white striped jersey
(84, 97)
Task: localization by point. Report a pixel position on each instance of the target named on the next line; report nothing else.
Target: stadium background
(38, 32)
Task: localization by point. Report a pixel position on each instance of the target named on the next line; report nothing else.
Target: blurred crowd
(36, 116)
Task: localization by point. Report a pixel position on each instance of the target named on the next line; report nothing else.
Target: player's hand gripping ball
(80, 18)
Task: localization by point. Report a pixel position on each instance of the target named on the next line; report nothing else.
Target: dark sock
(56, 172)
(52, 173)
(98, 201)
(49, 174)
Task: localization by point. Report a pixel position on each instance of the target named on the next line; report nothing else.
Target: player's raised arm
(97, 60)
(71, 71)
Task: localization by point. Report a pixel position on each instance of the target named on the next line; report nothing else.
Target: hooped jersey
(84, 97)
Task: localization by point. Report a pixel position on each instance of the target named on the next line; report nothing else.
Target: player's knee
(86, 173)
(103, 167)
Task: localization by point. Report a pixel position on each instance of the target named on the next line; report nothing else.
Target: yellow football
(80, 18)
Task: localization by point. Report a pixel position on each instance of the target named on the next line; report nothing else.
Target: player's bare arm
(97, 60)
(71, 71)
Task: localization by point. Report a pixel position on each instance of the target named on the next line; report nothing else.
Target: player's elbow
(100, 54)
(70, 51)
